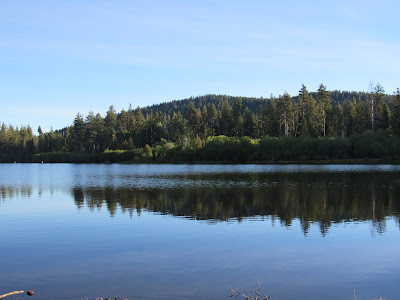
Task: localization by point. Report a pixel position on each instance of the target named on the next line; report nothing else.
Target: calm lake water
(193, 231)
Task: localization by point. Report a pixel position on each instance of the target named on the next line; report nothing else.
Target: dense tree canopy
(192, 123)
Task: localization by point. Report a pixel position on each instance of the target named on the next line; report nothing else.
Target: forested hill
(253, 104)
(175, 106)
(196, 123)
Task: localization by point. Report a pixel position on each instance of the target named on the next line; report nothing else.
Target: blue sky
(58, 58)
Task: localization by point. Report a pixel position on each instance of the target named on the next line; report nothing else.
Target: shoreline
(367, 161)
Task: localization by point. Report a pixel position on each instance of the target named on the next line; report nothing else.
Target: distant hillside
(255, 105)
(210, 120)
(169, 108)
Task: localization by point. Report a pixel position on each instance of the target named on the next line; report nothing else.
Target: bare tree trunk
(286, 125)
(323, 118)
(372, 113)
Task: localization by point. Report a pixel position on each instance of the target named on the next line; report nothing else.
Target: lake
(193, 231)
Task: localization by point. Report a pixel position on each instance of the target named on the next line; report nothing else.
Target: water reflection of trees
(308, 198)
(9, 192)
(318, 198)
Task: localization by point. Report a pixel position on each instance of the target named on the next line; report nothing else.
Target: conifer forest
(311, 126)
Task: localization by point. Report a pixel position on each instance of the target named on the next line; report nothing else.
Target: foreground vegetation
(379, 147)
(310, 126)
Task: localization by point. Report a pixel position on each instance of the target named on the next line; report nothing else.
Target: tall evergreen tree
(271, 119)
(41, 144)
(194, 119)
(177, 128)
(110, 122)
(315, 123)
(123, 121)
(377, 97)
(284, 107)
(396, 113)
(91, 132)
(323, 97)
(78, 133)
(237, 118)
(304, 100)
(212, 119)
(100, 142)
(204, 122)
(248, 124)
(226, 120)
(140, 120)
(130, 123)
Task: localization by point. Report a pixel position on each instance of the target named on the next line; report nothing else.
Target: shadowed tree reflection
(9, 192)
(310, 198)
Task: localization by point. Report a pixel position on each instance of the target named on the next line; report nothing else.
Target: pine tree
(140, 120)
(237, 120)
(284, 107)
(91, 132)
(78, 133)
(377, 96)
(110, 122)
(303, 110)
(396, 113)
(203, 123)
(226, 120)
(323, 97)
(41, 144)
(130, 126)
(212, 119)
(123, 121)
(360, 117)
(315, 123)
(194, 119)
(177, 128)
(248, 124)
(150, 128)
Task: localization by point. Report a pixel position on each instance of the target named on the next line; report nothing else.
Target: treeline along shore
(312, 126)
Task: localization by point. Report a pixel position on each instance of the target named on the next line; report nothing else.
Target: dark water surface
(192, 231)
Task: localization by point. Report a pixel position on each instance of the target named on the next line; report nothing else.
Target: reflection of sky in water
(61, 252)
(65, 176)
(326, 194)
